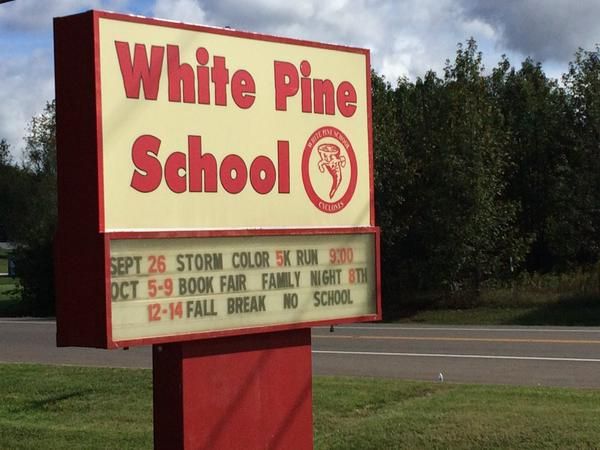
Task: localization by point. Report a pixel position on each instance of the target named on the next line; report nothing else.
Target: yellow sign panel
(212, 129)
(170, 287)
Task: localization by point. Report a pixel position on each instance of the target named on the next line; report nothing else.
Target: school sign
(215, 200)
(221, 181)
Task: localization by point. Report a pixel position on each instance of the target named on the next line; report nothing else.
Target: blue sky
(406, 37)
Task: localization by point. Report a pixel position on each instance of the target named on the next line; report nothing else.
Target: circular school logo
(329, 170)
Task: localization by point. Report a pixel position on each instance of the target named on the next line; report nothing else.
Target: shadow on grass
(576, 310)
(53, 401)
(49, 402)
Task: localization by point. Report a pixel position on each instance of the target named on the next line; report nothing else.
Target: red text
(198, 82)
(317, 96)
(198, 172)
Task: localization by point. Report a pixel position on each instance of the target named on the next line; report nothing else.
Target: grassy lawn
(3, 264)
(566, 300)
(583, 311)
(70, 407)
(10, 303)
(3, 260)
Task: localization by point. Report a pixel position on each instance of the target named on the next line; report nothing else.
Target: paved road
(505, 355)
(34, 341)
(561, 356)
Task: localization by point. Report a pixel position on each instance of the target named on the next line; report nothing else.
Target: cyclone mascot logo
(329, 169)
(333, 162)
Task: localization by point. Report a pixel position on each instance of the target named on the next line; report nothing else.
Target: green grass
(571, 299)
(3, 261)
(10, 300)
(70, 407)
(473, 316)
(567, 311)
(390, 414)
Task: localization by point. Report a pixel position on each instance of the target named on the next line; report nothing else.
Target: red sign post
(215, 201)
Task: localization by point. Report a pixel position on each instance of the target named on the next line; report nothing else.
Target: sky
(406, 37)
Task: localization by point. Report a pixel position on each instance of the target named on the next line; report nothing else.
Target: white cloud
(404, 58)
(28, 15)
(26, 68)
(547, 30)
(406, 37)
(181, 10)
(27, 84)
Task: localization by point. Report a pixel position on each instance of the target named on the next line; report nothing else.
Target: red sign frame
(78, 327)
(82, 245)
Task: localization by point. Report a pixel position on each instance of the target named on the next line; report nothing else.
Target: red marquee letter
(140, 72)
(148, 173)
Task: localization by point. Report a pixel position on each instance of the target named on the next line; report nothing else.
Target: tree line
(479, 176)
(28, 211)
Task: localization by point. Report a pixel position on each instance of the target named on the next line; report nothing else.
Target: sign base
(252, 391)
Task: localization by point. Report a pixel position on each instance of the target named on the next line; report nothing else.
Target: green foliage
(480, 176)
(10, 195)
(9, 300)
(5, 156)
(40, 150)
(541, 147)
(33, 215)
(34, 266)
(394, 172)
(583, 87)
(452, 224)
(394, 175)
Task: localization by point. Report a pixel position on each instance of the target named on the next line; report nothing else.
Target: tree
(394, 173)
(537, 119)
(12, 198)
(462, 228)
(583, 86)
(5, 156)
(6, 174)
(37, 218)
(40, 149)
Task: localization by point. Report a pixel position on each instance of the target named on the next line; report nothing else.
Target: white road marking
(28, 322)
(427, 328)
(444, 355)
(506, 340)
(391, 327)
